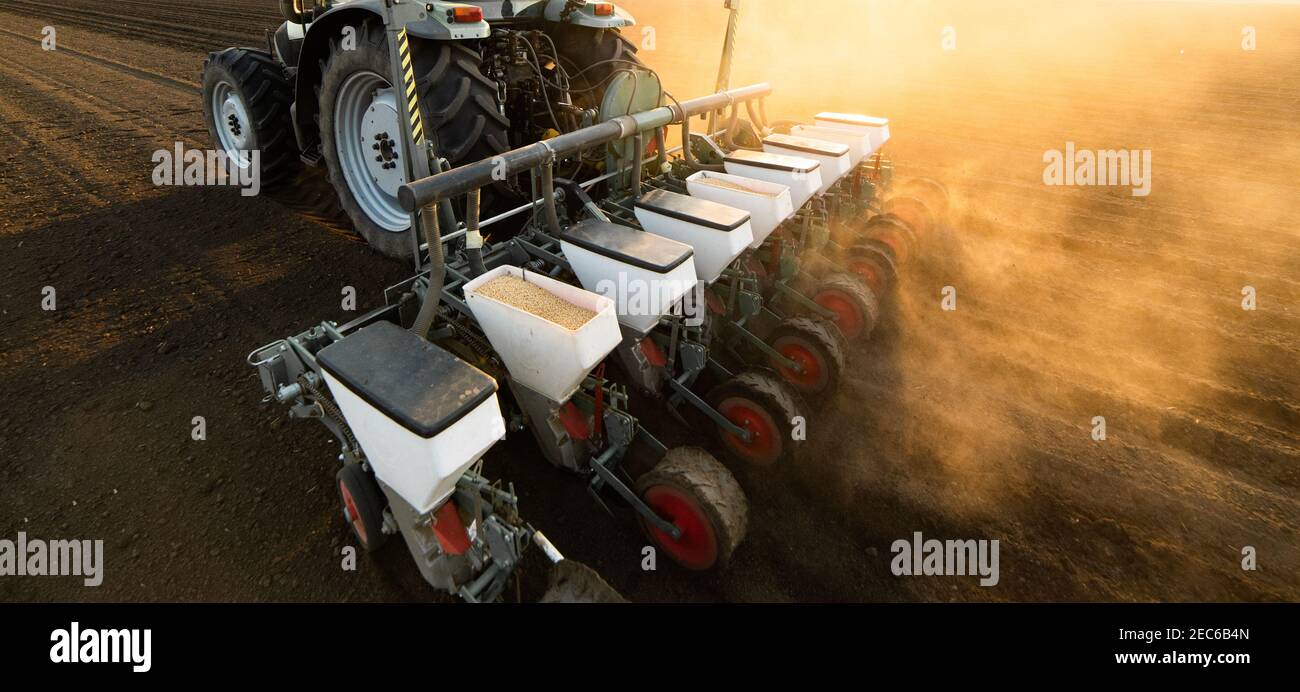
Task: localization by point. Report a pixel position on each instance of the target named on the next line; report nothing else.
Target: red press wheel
(699, 496)
(765, 406)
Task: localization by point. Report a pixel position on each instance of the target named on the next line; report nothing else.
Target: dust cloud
(1074, 302)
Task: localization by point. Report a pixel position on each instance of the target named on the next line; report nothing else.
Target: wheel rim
(764, 447)
(368, 137)
(868, 273)
(914, 213)
(848, 317)
(931, 192)
(891, 237)
(352, 514)
(698, 546)
(810, 376)
(234, 127)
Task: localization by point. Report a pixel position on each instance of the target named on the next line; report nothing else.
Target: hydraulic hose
(548, 197)
(690, 155)
(661, 149)
(733, 122)
(638, 151)
(437, 272)
(474, 239)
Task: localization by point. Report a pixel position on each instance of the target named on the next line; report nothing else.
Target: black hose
(437, 272)
(548, 197)
(690, 155)
(637, 161)
(661, 149)
(473, 240)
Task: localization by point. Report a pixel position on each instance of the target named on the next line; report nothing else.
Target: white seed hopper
(645, 274)
(802, 175)
(546, 357)
(834, 158)
(421, 415)
(718, 233)
(875, 128)
(768, 204)
(859, 144)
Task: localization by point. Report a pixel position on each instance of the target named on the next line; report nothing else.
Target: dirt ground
(1073, 302)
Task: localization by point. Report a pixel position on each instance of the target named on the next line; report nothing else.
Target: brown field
(1073, 302)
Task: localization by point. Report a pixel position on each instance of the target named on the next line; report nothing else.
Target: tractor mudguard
(583, 13)
(580, 12)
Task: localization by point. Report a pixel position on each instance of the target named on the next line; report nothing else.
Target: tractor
(340, 82)
(436, 121)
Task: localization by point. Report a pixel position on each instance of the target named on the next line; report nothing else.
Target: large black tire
(363, 506)
(816, 345)
(763, 403)
(260, 82)
(856, 308)
(590, 56)
(711, 508)
(457, 105)
(574, 582)
(310, 194)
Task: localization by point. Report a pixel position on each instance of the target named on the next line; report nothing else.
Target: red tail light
(467, 15)
(603, 9)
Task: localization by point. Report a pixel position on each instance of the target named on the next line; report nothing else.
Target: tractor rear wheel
(246, 100)
(699, 496)
(761, 403)
(591, 57)
(362, 116)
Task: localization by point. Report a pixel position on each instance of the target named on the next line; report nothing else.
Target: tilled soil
(970, 424)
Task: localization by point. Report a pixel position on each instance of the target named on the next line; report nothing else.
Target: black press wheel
(363, 505)
(699, 496)
(760, 402)
(817, 349)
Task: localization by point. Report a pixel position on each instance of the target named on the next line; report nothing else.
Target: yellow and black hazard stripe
(408, 88)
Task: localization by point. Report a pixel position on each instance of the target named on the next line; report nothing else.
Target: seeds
(727, 184)
(536, 300)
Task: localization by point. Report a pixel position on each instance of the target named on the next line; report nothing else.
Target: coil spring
(332, 410)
